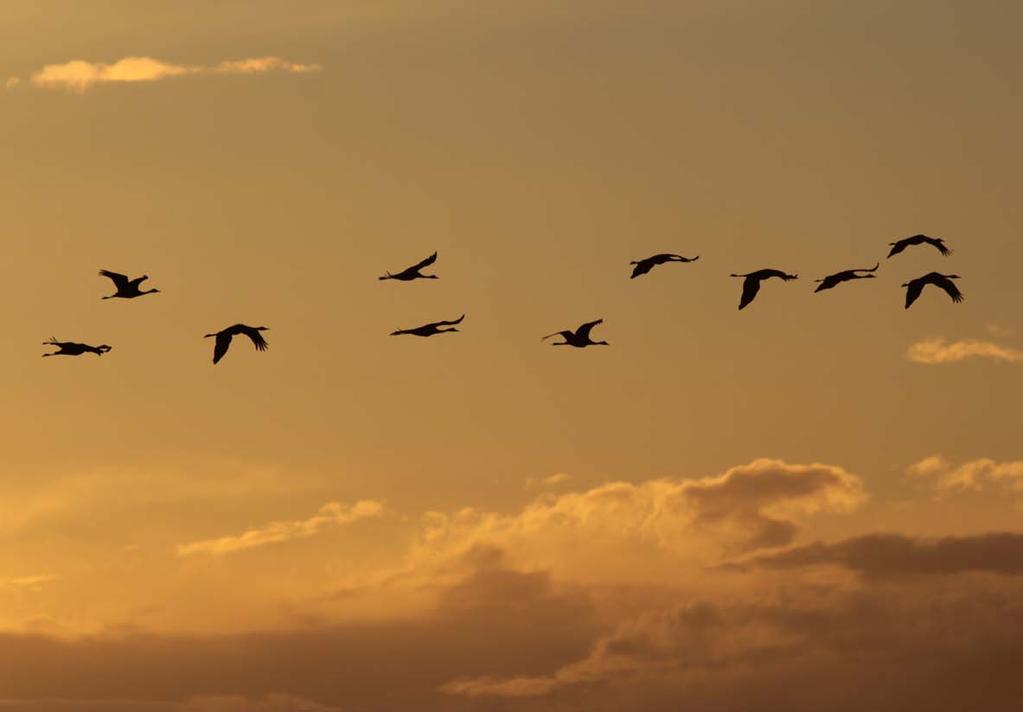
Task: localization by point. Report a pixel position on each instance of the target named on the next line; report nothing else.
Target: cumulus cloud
(79, 75)
(900, 555)
(973, 475)
(332, 514)
(939, 351)
(649, 527)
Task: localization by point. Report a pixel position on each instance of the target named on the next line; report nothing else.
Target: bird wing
(120, 281)
(897, 247)
(950, 288)
(221, 345)
(750, 287)
(448, 323)
(425, 263)
(139, 280)
(257, 339)
(642, 267)
(583, 332)
(913, 290)
(938, 244)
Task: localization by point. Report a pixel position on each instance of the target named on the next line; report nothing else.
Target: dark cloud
(899, 555)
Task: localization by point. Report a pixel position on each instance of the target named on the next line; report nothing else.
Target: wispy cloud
(27, 582)
(332, 514)
(78, 75)
(938, 351)
(549, 481)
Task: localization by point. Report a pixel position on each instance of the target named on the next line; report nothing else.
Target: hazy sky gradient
(538, 147)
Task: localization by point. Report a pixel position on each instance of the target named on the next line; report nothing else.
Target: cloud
(11, 82)
(899, 555)
(79, 75)
(800, 648)
(646, 528)
(257, 65)
(29, 582)
(938, 351)
(272, 702)
(547, 482)
(332, 514)
(973, 475)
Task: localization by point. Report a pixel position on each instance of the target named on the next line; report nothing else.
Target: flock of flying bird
(580, 337)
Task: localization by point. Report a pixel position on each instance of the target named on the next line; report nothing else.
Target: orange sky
(724, 508)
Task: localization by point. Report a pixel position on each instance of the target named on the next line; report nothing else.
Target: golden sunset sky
(814, 503)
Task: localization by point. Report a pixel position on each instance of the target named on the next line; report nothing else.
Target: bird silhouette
(645, 265)
(430, 329)
(579, 338)
(751, 283)
(70, 348)
(410, 273)
(833, 280)
(914, 287)
(905, 242)
(126, 288)
(224, 336)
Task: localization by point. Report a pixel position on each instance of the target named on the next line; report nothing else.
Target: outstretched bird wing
(750, 287)
(937, 243)
(120, 281)
(897, 247)
(913, 289)
(565, 334)
(642, 267)
(221, 345)
(950, 289)
(425, 263)
(583, 332)
(448, 323)
(257, 339)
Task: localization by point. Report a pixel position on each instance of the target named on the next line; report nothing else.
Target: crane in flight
(645, 265)
(70, 348)
(752, 280)
(126, 288)
(410, 273)
(430, 329)
(833, 280)
(935, 242)
(915, 287)
(224, 336)
(579, 338)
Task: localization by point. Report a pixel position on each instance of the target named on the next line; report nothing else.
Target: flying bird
(126, 288)
(410, 273)
(70, 348)
(833, 280)
(935, 242)
(751, 283)
(430, 329)
(579, 338)
(645, 265)
(915, 286)
(224, 336)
